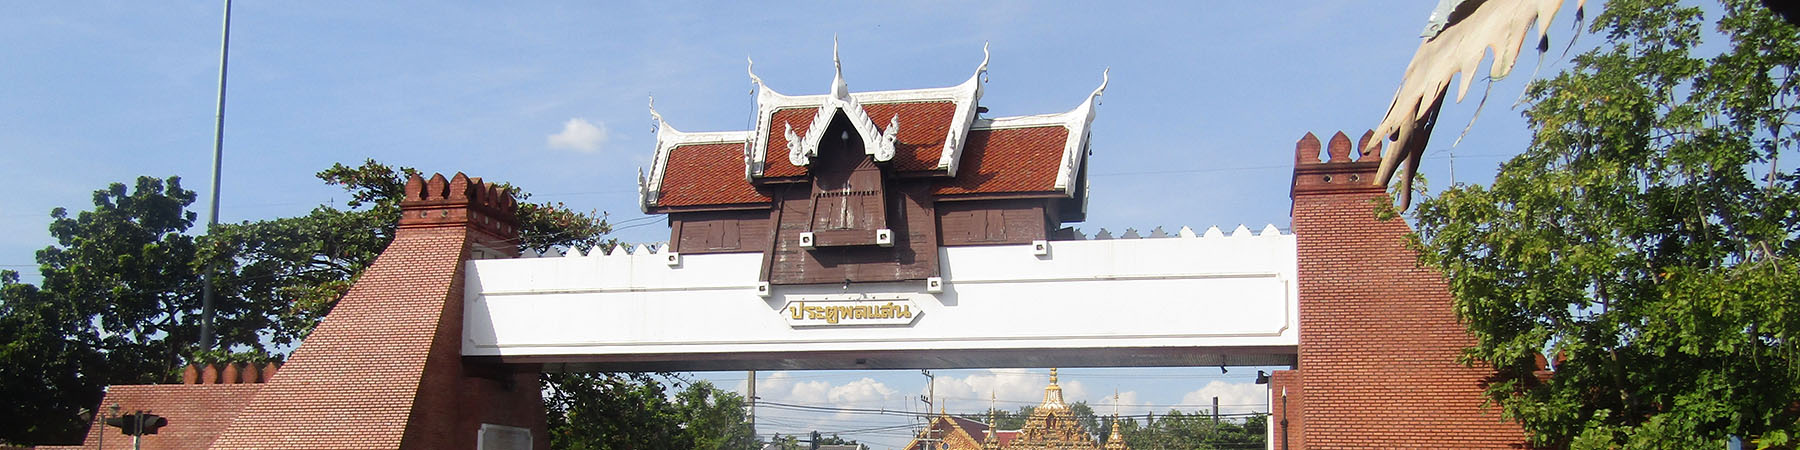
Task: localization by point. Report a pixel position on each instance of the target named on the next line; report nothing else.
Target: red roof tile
(197, 413)
(708, 174)
(1009, 160)
(923, 126)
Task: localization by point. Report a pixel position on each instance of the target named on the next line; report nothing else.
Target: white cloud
(864, 392)
(1010, 386)
(797, 389)
(1234, 398)
(580, 135)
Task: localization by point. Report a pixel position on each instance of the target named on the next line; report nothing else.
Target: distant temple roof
(1052, 425)
(933, 133)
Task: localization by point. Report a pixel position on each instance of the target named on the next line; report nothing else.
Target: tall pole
(753, 403)
(930, 390)
(207, 335)
(137, 433)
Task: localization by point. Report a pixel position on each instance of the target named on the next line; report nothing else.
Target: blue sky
(1196, 128)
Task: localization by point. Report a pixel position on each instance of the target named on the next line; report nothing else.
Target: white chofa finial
(984, 59)
(839, 89)
(750, 68)
(1105, 77)
(653, 114)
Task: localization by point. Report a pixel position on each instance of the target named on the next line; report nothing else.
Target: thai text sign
(850, 310)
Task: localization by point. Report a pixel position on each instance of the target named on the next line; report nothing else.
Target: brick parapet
(1338, 174)
(229, 373)
(462, 202)
(1379, 339)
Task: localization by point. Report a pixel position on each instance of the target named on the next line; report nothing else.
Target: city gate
(872, 230)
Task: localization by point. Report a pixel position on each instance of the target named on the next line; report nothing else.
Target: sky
(1196, 128)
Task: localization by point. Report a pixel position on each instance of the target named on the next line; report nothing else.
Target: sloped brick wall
(384, 369)
(1378, 337)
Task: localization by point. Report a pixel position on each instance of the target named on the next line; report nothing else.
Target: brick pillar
(384, 369)
(1286, 401)
(1379, 339)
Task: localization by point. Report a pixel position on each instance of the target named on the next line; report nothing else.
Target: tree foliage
(119, 302)
(1192, 430)
(117, 305)
(1648, 239)
(1174, 429)
(594, 411)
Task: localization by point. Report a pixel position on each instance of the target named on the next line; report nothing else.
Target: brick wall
(1286, 383)
(1378, 337)
(384, 369)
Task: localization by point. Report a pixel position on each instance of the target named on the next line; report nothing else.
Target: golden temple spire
(1053, 398)
(1116, 440)
(992, 442)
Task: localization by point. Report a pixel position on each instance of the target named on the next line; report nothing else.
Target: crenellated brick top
(1339, 174)
(459, 201)
(229, 373)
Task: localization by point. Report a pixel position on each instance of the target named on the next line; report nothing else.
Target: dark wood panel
(990, 222)
(913, 256)
(719, 231)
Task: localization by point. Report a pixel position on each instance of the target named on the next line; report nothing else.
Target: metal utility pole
(137, 436)
(207, 335)
(753, 402)
(1215, 410)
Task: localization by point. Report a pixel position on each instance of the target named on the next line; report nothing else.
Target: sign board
(853, 309)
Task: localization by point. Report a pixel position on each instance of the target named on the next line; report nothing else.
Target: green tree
(1177, 429)
(296, 268)
(789, 442)
(119, 302)
(43, 375)
(592, 411)
(117, 305)
(1647, 239)
(709, 418)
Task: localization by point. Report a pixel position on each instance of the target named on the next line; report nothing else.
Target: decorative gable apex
(878, 143)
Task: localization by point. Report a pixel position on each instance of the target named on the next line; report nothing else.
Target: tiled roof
(1009, 160)
(923, 127)
(197, 413)
(939, 134)
(1004, 436)
(708, 174)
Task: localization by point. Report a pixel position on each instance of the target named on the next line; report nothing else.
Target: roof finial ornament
(982, 70)
(1105, 78)
(653, 114)
(1052, 375)
(750, 68)
(839, 89)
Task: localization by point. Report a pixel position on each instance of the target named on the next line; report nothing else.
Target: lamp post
(101, 441)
